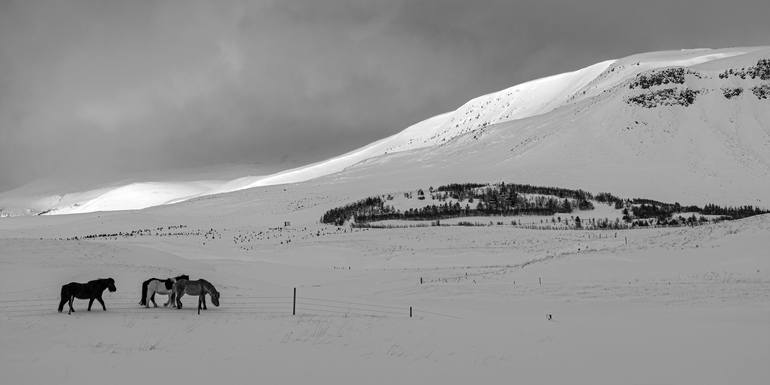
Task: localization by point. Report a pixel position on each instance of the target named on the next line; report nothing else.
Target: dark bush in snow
(659, 77)
(665, 97)
(762, 92)
(729, 93)
(761, 71)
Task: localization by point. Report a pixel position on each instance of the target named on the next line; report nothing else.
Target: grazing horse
(199, 288)
(91, 291)
(160, 286)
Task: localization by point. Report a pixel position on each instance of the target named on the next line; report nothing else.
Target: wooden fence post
(294, 303)
(410, 312)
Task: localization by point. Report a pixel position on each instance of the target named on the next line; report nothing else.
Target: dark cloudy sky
(101, 88)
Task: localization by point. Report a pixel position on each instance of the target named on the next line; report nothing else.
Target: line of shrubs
(508, 200)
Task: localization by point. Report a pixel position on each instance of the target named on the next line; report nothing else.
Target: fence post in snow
(410, 312)
(294, 303)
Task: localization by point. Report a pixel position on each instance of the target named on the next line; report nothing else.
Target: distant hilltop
(667, 125)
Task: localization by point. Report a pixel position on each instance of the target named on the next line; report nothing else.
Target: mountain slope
(634, 141)
(574, 129)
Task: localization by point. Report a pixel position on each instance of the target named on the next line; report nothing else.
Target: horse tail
(64, 298)
(143, 300)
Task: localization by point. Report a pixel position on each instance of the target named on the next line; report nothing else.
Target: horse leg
(200, 299)
(170, 298)
(152, 298)
(179, 300)
(203, 299)
(101, 301)
(72, 297)
(90, 302)
(61, 303)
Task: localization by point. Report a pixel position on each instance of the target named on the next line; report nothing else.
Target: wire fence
(268, 305)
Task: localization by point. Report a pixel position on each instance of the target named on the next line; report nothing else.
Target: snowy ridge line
(42, 301)
(387, 308)
(419, 310)
(257, 306)
(192, 309)
(347, 308)
(236, 306)
(351, 303)
(131, 310)
(534, 98)
(344, 313)
(502, 269)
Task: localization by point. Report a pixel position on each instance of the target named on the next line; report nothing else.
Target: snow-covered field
(653, 306)
(687, 305)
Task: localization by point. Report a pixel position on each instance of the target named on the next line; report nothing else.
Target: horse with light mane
(160, 286)
(200, 288)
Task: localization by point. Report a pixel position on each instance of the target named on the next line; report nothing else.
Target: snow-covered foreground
(651, 306)
(657, 306)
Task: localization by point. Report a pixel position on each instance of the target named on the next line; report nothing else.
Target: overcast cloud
(107, 87)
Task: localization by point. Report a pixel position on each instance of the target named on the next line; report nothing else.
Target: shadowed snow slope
(592, 128)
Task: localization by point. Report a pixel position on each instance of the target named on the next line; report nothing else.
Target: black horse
(91, 291)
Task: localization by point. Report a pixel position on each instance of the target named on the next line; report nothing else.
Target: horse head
(111, 285)
(214, 297)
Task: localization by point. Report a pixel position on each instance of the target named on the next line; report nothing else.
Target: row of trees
(736, 212)
(481, 200)
(537, 206)
(478, 191)
(665, 97)
(338, 215)
(658, 77)
(761, 70)
(608, 198)
(474, 199)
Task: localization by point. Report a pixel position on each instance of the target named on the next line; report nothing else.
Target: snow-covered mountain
(691, 125)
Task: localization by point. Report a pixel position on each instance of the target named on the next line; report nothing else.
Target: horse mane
(183, 276)
(207, 283)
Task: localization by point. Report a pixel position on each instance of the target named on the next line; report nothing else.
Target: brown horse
(200, 288)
